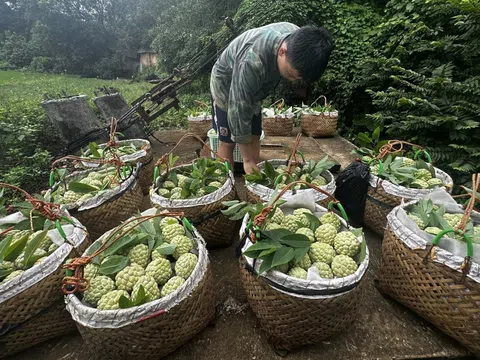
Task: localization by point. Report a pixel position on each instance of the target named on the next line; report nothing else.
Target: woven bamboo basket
(203, 212)
(152, 330)
(256, 192)
(431, 284)
(278, 126)
(321, 124)
(104, 212)
(143, 156)
(383, 196)
(32, 314)
(200, 125)
(295, 312)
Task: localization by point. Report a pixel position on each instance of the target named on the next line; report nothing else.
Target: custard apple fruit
(90, 271)
(139, 254)
(183, 245)
(52, 248)
(176, 190)
(39, 261)
(326, 234)
(319, 181)
(290, 223)
(181, 180)
(218, 172)
(343, 265)
(298, 272)
(346, 243)
(304, 263)
(173, 284)
(367, 159)
(324, 270)
(282, 268)
(419, 184)
(160, 269)
(168, 220)
(185, 265)
(156, 255)
(172, 230)
(110, 301)
(374, 169)
(321, 252)
(280, 186)
(422, 174)
(12, 275)
(453, 219)
(20, 261)
(164, 192)
(216, 184)
(301, 218)
(127, 277)
(417, 221)
(406, 162)
(307, 232)
(99, 286)
(433, 230)
(331, 218)
(44, 244)
(168, 185)
(306, 177)
(175, 196)
(434, 182)
(281, 169)
(200, 193)
(86, 197)
(6, 267)
(149, 286)
(278, 216)
(272, 226)
(71, 197)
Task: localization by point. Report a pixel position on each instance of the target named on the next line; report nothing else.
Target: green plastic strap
(427, 155)
(60, 229)
(301, 155)
(278, 179)
(68, 272)
(424, 152)
(417, 153)
(380, 168)
(124, 172)
(437, 238)
(249, 225)
(156, 173)
(340, 207)
(187, 224)
(227, 166)
(330, 205)
(51, 180)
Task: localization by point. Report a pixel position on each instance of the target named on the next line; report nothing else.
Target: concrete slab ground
(384, 329)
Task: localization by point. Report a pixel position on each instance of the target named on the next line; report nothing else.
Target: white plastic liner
(200, 118)
(266, 193)
(94, 318)
(279, 281)
(450, 252)
(408, 193)
(98, 199)
(75, 234)
(186, 203)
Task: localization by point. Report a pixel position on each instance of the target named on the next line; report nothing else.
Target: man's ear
(283, 50)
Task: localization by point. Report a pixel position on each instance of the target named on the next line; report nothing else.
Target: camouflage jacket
(245, 73)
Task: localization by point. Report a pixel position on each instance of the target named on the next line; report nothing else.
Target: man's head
(304, 54)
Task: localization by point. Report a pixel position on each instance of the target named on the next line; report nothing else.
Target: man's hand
(249, 166)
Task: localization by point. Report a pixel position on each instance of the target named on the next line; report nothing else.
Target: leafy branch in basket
(98, 153)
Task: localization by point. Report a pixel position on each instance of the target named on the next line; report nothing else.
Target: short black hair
(308, 50)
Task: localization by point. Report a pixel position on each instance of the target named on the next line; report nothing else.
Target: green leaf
(269, 171)
(5, 273)
(283, 256)
(230, 203)
(141, 297)
(120, 244)
(166, 249)
(37, 221)
(314, 221)
(266, 264)
(185, 193)
(4, 245)
(300, 253)
(125, 302)
(80, 187)
(148, 228)
(94, 248)
(113, 264)
(295, 241)
(173, 177)
(260, 246)
(234, 209)
(247, 209)
(363, 139)
(276, 234)
(16, 248)
(376, 134)
(32, 246)
(265, 253)
(93, 146)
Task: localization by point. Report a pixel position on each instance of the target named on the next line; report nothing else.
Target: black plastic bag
(352, 187)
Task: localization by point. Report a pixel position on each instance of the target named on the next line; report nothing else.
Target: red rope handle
(394, 147)
(471, 204)
(292, 163)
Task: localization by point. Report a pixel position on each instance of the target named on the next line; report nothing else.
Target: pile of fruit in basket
(151, 261)
(279, 109)
(433, 219)
(315, 109)
(404, 171)
(88, 186)
(277, 178)
(202, 177)
(293, 243)
(20, 247)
